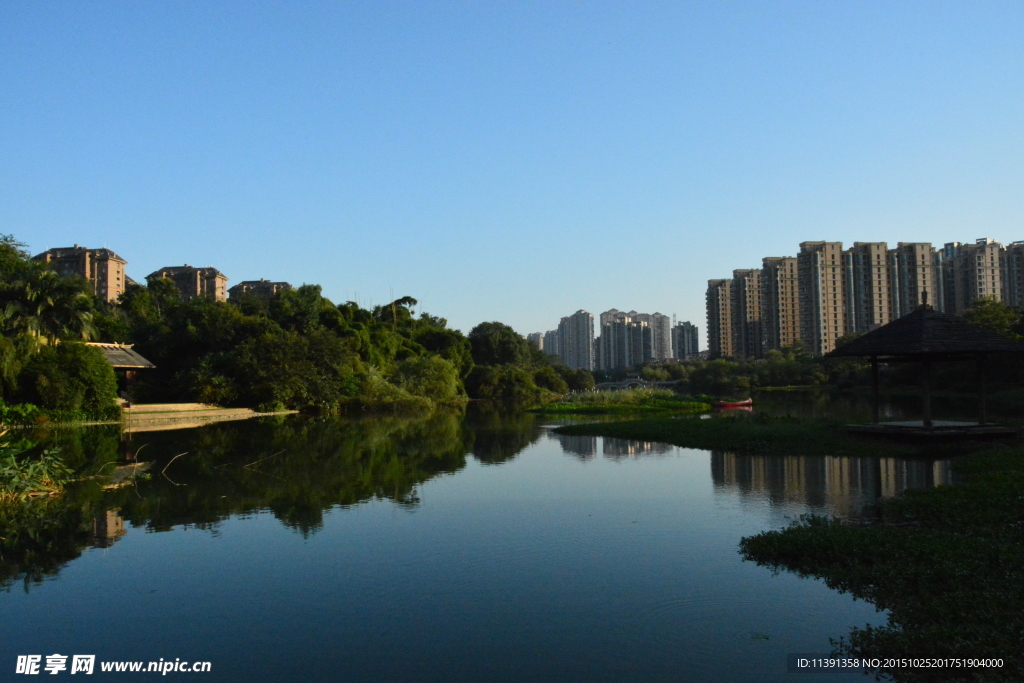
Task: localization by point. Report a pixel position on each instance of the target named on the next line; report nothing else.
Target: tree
(995, 316)
(44, 304)
(70, 377)
(497, 344)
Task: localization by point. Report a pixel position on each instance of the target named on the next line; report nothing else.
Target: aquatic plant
(26, 472)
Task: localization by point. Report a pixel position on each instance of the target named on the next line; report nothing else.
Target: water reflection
(586, 447)
(839, 485)
(296, 468)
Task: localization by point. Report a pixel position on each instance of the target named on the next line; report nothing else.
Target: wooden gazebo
(927, 336)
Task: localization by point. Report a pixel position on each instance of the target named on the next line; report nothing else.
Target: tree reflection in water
(294, 467)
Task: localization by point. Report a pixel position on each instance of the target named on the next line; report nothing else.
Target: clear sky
(511, 161)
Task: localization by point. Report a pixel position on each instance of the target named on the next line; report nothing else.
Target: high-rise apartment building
(915, 277)
(1013, 274)
(576, 340)
(972, 272)
(685, 344)
(101, 268)
(821, 294)
(780, 308)
(746, 313)
(719, 312)
(661, 337)
(194, 282)
(551, 342)
(869, 301)
(537, 339)
(627, 339)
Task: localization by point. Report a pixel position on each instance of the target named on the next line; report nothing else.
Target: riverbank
(759, 434)
(625, 402)
(947, 564)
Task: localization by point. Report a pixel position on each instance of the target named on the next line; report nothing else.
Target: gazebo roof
(927, 333)
(122, 357)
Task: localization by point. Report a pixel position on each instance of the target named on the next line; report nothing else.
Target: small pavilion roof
(926, 332)
(121, 356)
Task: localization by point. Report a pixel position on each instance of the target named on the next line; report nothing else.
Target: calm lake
(452, 548)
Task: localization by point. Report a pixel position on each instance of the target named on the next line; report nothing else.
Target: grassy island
(947, 563)
(759, 433)
(625, 401)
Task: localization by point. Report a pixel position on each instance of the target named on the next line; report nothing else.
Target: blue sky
(507, 161)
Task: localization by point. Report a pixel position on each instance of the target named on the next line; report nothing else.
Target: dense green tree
(494, 343)
(432, 377)
(548, 378)
(995, 316)
(511, 383)
(70, 377)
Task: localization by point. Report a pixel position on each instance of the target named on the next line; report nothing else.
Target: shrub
(72, 378)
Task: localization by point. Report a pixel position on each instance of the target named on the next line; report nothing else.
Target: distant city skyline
(506, 161)
(825, 291)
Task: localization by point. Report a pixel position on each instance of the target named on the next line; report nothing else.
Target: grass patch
(948, 564)
(625, 401)
(761, 434)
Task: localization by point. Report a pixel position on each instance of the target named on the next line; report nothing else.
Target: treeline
(297, 350)
(795, 367)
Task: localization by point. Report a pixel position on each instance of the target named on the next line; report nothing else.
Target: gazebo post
(874, 389)
(981, 388)
(926, 392)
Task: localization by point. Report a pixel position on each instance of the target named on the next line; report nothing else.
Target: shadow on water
(295, 467)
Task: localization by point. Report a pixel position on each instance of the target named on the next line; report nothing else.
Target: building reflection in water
(616, 449)
(585, 447)
(107, 529)
(842, 485)
(582, 447)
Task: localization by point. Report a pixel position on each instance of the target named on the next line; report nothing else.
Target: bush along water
(626, 401)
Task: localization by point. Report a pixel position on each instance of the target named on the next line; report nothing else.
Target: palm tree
(48, 307)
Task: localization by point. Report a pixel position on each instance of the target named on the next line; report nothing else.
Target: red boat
(734, 404)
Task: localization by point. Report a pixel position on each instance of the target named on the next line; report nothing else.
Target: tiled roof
(122, 356)
(174, 270)
(61, 252)
(926, 332)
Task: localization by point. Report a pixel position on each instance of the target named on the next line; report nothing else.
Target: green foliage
(25, 471)
(71, 378)
(497, 344)
(996, 316)
(503, 383)
(548, 378)
(627, 401)
(431, 377)
(19, 415)
(947, 564)
(40, 303)
(576, 380)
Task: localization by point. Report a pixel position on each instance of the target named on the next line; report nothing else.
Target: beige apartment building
(868, 284)
(719, 311)
(822, 295)
(194, 282)
(914, 271)
(264, 289)
(972, 272)
(780, 308)
(101, 268)
(746, 313)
